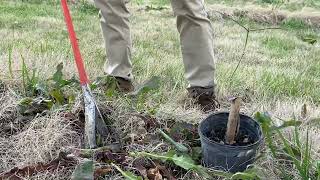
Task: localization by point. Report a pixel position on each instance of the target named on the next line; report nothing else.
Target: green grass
(294, 24)
(281, 4)
(276, 84)
(152, 2)
(279, 46)
(39, 31)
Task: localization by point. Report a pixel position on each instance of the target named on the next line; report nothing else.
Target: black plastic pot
(227, 157)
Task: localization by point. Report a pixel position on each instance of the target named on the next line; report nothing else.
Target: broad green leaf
(266, 124)
(41, 88)
(128, 175)
(83, 171)
(34, 106)
(93, 86)
(58, 96)
(287, 124)
(180, 147)
(184, 161)
(265, 121)
(151, 84)
(71, 99)
(170, 153)
(254, 173)
(263, 118)
(309, 39)
(99, 81)
(246, 176)
(108, 82)
(165, 157)
(26, 101)
(187, 163)
(110, 92)
(58, 77)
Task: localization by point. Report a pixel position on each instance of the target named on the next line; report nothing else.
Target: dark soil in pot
(235, 157)
(218, 136)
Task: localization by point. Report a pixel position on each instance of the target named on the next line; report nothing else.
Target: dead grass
(8, 104)
(268, 15)
(39, 140)
(60, 174)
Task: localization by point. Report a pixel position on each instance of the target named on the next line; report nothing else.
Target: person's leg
(196, 38)
(116, 33)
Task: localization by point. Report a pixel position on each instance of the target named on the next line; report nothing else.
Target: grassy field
(292, 5)
(280, 72)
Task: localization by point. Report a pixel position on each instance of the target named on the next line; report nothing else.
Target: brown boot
(124, 85)
(204, 97)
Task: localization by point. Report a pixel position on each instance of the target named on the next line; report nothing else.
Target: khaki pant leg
(196, 37)
(116, 33)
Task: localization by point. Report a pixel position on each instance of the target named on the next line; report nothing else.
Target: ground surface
(279, 73)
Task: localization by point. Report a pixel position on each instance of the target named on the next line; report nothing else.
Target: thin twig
(262, 29)
(242, 56)
(246, 44)
(229, 17)
(248, 30)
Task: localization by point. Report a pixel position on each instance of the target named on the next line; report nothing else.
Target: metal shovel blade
(91, 110)
(90, 116)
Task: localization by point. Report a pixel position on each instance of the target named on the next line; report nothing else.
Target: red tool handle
(73, 39)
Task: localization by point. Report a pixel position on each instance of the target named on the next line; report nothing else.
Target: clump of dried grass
(187, 111)
(28, 140)
(265, 15)
(132, 128)
(60, 174)
(8, 103)
(40, 141)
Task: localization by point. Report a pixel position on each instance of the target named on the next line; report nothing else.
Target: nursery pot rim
(227, 145)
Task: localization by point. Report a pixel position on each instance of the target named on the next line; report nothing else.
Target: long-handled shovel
(91, 109)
